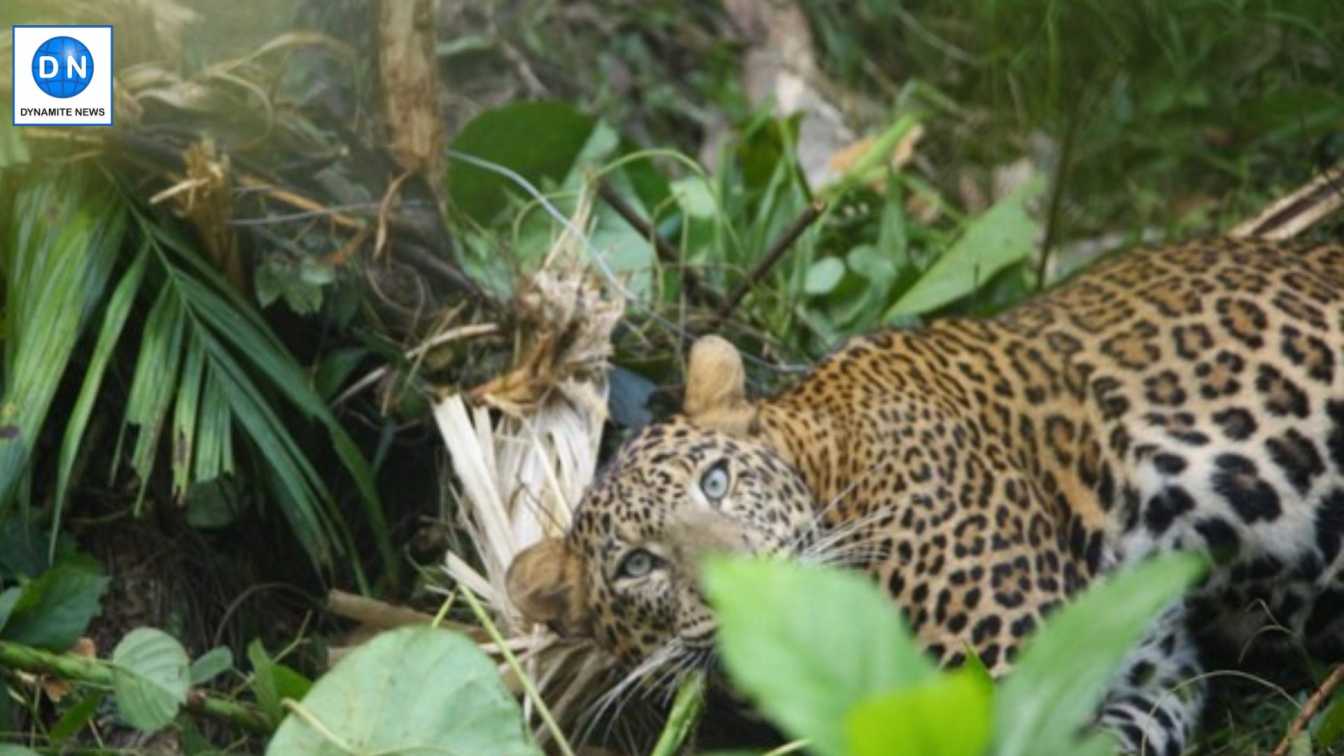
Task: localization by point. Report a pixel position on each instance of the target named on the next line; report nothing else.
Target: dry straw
(524, 446)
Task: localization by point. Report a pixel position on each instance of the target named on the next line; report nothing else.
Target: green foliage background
(142, 388)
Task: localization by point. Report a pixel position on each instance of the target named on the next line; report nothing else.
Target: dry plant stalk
(205, 197)
(1291, 215)
(524, 467)
(410, 88)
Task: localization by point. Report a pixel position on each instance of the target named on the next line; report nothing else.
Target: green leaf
(273, 682)
(76, 717)
(60, 236)
(13, 750)
(1329, 729)
(8, 720)
(536, 140)
(211, 664)
(214, 433)
(21, 552)
(149, 678)
(8, 598)
(893, 235)
(236, 342)
(186, 414)
(156, 375)
(1003, 235)
(694, 196)
(55, 608)
(823, 276)
(876, 265)
(300, 284)
(409, 690)
(13, 150)
(974, 665)
(335, 369)
(1043, 704)
(113, 320)
(857, 303)
(213, 504)
(948, 715)
(783, 651)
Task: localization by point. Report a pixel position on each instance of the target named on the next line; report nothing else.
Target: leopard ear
(716, 392)
(545, 582)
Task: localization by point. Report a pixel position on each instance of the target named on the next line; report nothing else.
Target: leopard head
(627, 574)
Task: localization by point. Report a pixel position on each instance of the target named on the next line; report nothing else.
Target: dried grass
(524, 464)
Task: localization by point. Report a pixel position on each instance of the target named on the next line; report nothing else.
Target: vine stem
(98, 673)
(1318, 698)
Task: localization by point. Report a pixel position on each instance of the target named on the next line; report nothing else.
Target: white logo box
(34, 107)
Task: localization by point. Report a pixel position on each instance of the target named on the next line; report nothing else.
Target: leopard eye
(636, 564)
(714, 483)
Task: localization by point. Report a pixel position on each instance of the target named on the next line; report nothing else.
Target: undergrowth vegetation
(225, 323)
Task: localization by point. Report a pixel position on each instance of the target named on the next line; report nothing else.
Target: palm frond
(62, 236)
(227, 347)
(113, 320)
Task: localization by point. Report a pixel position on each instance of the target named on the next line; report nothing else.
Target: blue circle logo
(62, 67)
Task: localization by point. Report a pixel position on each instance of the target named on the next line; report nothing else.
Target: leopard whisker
(609, 705)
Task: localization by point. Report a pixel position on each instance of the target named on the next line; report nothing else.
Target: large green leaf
(536, 140)
(1002, 236)
(1063, 672)
(61, 236)
(949, 715)
(150, 678)
(54, 609)
(806, 667)
(412, 690)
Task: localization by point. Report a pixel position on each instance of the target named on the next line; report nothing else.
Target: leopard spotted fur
(1179, 398)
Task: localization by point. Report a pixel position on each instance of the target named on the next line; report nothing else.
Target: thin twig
(421, 258)
(1318, 698)
(1052, 216)
(1289, 216)
(695, 288)
(777, 251)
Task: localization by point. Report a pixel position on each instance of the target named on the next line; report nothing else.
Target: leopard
(983, 471)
